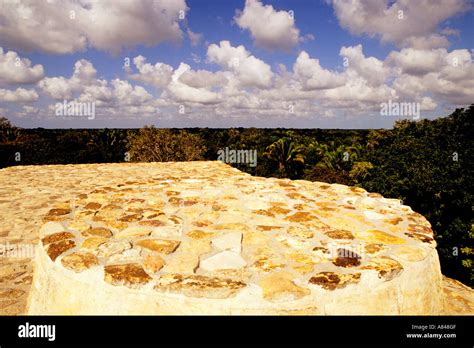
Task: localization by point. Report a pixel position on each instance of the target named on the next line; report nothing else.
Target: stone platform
(204, 238)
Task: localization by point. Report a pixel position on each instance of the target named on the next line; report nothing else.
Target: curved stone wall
(204, 238)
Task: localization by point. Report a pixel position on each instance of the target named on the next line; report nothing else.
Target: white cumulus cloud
(67, 26)
(248, 70)
(20, 95)
(16, 70)
(404, 22)
(271, 29)
(312, 76)
(158, 75)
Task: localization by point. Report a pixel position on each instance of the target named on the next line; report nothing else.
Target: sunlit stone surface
(204, 238)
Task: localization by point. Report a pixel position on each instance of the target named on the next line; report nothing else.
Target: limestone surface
(204, 238)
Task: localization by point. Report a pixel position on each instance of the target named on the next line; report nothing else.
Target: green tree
(429, 165)
(360, 171)
(288, 155)
(8, 132)
(108, 145)
(151, 144)
(5, 123)
(338, 157)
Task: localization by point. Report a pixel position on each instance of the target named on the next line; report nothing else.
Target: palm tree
(338, 157)
(289, 156)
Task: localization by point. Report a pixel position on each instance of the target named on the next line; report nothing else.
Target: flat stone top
(205, 229)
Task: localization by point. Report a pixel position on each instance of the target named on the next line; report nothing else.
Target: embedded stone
(79, 261)
(153, 263)
(153, 214)
(421, 232)
(202, 223)
(199, 286)
(199, 234)
(131, 218)
(303, 268)
(163, 246)
(110, 248)
(58, 212)
(280, 287)
(78, 225)
(133, 232)
(111, 206)
(393, 221)
(173, 231)
(316, 224)
(230, 241)
(131, 275)
(153, 223)
(299, 231)
(300, 217)
(93, 206)
(224, 260)
(377, 236)
(268, 263)
(386, 267)
(187, 257)
(56, 237)
(293, 242)
(84, 214)
(266, 228)
(347, 258)
(339, 234)
(276, 209)
(125, 256)
(333, 281)
(183, 263)
(264, 212)
(98, 232)
(304, 258)
(93, 242)
(57, 248)
(231, 226)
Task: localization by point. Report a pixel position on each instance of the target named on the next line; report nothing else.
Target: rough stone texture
(131, 275)
(332, 281)
(199, 286)
(153, 263)
(96, 232)
(229, 241)
(280, 287)
(56, 249)
(79, 262)
(159, 245)
(223, 260)
(291, 236)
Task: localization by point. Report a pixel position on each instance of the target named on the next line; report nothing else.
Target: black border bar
(192, 331)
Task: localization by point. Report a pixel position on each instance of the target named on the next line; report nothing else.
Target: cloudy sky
(226, 63)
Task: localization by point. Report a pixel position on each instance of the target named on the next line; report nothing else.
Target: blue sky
(394, 52)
